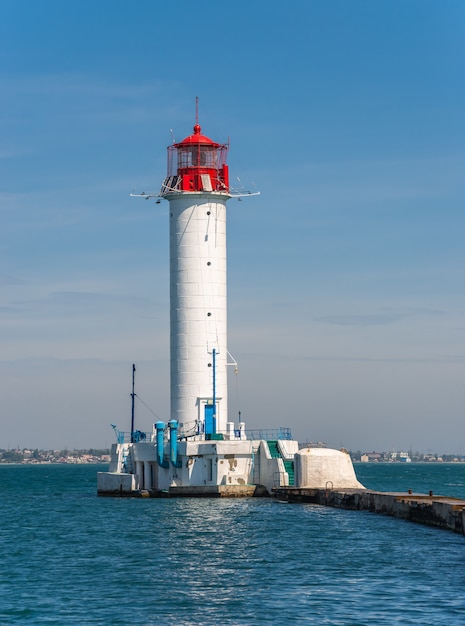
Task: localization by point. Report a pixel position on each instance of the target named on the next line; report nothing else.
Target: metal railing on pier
(128, 437)
(273, 434)
(270, 434)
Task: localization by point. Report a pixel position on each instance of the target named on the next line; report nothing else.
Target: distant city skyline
(346, 300)
(92, 455)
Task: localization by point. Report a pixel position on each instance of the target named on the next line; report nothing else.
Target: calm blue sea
(68, 557)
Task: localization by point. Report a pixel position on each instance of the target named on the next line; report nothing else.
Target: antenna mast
(132, 403)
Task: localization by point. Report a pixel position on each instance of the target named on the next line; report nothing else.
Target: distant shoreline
(81, 462)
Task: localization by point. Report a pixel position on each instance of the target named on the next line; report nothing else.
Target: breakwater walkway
(431, 510)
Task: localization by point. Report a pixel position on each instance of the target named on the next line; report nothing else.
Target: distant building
(401, 457)
(371, 457)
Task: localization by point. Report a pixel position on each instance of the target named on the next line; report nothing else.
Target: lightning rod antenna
(196, 110)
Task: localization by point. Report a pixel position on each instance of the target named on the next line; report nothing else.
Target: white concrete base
(225, 469)
(323, 468)
(114, 483)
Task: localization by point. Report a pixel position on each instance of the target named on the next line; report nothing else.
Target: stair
(274, 450)
(288, 465)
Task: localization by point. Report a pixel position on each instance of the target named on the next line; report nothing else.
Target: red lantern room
(197, 164)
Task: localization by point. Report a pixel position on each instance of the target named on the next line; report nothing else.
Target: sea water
(69, 557)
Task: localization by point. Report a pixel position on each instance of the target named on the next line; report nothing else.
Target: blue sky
(346, 275)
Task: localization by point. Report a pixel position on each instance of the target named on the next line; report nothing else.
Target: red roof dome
(196, 138)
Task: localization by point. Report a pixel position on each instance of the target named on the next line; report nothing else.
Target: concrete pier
(439, 511)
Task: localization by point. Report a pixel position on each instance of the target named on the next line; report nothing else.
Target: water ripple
(71, 558)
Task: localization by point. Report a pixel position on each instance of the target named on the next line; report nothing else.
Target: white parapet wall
(113, 483)
(288, 448)
(324, 468)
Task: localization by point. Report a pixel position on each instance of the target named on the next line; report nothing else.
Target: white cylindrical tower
(197, 189)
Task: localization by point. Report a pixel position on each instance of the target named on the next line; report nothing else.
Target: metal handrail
(270, 435)
(137, 435)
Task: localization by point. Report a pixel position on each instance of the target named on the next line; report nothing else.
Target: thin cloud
(82, 84)
(8, 280)
(359, 320)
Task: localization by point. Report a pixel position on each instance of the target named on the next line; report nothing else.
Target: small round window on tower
(209, 262)
(208, 212)
(209, 314)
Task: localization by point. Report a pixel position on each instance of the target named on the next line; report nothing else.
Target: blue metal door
(209, 420)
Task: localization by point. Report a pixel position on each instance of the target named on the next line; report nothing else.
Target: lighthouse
(197, 189)
(200, 451)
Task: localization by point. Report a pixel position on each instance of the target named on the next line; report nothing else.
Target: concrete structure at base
(201, 451)
(222, 468)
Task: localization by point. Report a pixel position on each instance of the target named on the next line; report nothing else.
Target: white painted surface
(288, 448)
(111, 482)
(198, 299)
(214, 463)
(323, 468)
